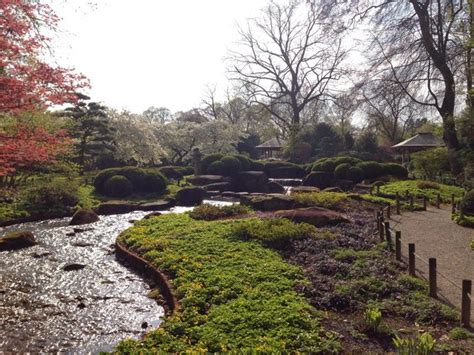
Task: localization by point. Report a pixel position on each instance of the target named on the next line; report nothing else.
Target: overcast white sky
(145, 53)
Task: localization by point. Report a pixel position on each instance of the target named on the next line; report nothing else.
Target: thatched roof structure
(272, 144)
(420, 141)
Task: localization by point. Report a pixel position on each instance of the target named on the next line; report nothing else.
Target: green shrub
(118, 186)
(459, 333)
(276, 232)
(288, 172)
(468, 203)
(172, 172)
(271, 166)
(209, 212)
(142, 181)
(185, 170)
(372, 318)
(395, 170)
(256, 165)
(49, 197)
(231, 166)
(430, 162)
(427, 185)
(208, 160)
(371, 169)
(355, 174)
(329, 200)
(245, 162)
(346, 160)
(319, 179)
(341, 170)
(216, 168)
(423, 345)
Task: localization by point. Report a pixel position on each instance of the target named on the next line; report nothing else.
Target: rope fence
(386, 232)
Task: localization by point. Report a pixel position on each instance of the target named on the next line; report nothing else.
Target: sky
(144, 53)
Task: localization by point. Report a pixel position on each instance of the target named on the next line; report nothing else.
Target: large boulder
(218, 186)
(300, 189)
(319, 179)
(333, 189)
(316, 216)
(344, 184)
(116, 207)
(250, 181)
(271, 202)
(158, 205)
(274, 188)
(83, 216)
(17, 240)
(190, 196)
(201, 180)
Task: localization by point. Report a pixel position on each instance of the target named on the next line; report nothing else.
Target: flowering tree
(28, 83)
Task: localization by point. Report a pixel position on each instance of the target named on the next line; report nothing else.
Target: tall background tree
(287, 59)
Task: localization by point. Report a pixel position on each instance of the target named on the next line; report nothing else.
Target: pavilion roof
(421, 140)
(274, 143)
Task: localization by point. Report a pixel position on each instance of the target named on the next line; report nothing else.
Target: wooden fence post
(411, 259)
(381, 227)
(398, 245)
(424, 203)
(466, 303)
(453, 205)
(461, 211)
(388, 211)
(432, 277)
(407, 194)
(411, 202)
(438, 200)
(397, 196)
(388, 235)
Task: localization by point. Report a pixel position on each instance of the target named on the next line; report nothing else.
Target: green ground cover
(235, 294)
(420, 188)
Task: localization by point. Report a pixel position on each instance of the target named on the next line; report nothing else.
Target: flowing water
(44, 308)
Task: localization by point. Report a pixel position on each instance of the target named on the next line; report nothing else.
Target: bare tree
(286, 60)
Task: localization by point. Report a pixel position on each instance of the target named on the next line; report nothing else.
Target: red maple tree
(29, 83)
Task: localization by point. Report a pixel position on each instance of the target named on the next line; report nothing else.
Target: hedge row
(121, 182)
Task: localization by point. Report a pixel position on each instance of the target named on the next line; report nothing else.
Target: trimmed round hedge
(245, 162)
(231, 166)
(341, 170)
(216, 168)
(142, 181)
(355, 174)
(118, 186)
(208, 160)
(395, 170)
(371, 169)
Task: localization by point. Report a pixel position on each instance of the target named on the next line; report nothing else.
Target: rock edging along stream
(143, 266)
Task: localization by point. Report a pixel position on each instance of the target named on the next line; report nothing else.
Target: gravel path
(436, 236)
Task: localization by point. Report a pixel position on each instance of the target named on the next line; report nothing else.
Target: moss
(322, 199)
(235, 295)
(466, 221)
(209, 212)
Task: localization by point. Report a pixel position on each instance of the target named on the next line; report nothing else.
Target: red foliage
(26, 81)
(24, 146)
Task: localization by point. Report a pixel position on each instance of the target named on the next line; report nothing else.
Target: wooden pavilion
(270, 146)
(421, 141)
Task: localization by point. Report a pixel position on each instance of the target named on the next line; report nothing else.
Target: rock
(234, 194)
(80, 230)
(212, 193)
(270, 202)
(190, 196)
(316, 216)
(17, 240)
(116, 207)
(288, 172)
(153, 214)
(81, 244)
(218, 186)
(144, 325)
(300, 189)
(73, 267)
(250, 181)
(70, 234)
(333, 189)
(274, 188)
(201, 180)
(132, 221)
(81, 305)
(159, 205)
(319, 179)
(345, 185)
(288, 182)
(41, 254)
(84, 216)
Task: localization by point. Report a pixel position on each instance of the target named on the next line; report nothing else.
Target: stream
(44, 308)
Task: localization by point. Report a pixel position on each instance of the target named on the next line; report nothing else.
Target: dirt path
(436, 236)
